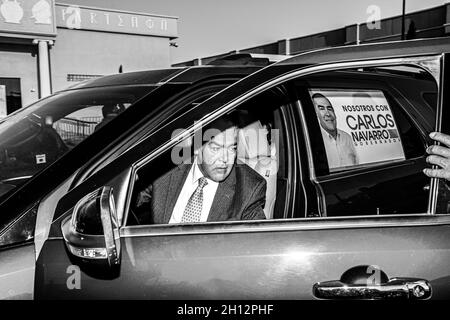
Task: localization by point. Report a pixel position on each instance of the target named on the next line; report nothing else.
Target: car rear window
(367, 131)
(378, 119)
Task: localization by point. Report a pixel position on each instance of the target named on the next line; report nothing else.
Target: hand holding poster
(357, 127)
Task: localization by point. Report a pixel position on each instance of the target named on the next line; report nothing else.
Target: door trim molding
(304, 224)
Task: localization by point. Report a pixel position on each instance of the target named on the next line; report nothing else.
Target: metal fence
(75, 130)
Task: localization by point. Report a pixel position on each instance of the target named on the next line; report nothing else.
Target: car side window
(368, 140)
(231, 169)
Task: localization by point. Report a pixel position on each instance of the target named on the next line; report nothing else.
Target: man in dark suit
(213, 188)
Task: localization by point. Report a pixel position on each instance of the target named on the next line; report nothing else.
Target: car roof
(371, 51)
(169, 75)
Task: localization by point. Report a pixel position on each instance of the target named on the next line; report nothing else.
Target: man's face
(325, 112)
(217, 157)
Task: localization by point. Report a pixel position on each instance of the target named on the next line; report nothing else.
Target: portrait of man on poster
(339, 145)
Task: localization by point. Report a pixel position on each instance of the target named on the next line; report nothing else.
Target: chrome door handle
(395, 288)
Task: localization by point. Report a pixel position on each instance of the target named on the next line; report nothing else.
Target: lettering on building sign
(164, 25)
(93, 18)
(134, 22)
(120, 21)
(149, 23)
(74, 17)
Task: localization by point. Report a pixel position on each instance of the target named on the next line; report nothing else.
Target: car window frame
(302, 223)
(188, 132)
(426, 62)
(442, 114)
(420, 61)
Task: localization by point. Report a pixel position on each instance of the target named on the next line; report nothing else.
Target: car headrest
(252, 141)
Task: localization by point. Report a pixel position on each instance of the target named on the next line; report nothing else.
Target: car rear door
(350, 256)
(389, 240)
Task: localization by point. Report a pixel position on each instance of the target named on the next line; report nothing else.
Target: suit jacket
(241, 196)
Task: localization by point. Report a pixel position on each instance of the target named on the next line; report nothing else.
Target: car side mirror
(92, 232)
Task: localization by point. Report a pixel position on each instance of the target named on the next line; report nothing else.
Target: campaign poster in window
(357, 126)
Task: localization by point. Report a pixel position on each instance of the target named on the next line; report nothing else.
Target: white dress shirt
(341, 151)
(190, 184)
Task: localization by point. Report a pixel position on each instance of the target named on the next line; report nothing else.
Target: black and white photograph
(227, 156)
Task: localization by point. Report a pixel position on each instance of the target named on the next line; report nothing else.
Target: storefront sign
(27, 17)
(3, 109)
(85, 18)
(366, 120)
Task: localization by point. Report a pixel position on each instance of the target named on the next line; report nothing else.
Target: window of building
(10, 96)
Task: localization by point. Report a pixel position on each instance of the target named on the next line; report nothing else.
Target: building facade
(428, 23)
(47, 46)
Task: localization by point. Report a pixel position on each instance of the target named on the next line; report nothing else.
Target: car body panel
(255, 261)
(17, 272)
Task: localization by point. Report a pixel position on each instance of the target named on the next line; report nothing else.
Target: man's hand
(440, 156)
(143, 197)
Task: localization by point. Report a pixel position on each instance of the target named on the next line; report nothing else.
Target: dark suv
(338, 135)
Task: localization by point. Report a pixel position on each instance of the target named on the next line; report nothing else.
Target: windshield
(34, 137)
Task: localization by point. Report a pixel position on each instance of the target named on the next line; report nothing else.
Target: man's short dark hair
(318, 95)
(223, 123)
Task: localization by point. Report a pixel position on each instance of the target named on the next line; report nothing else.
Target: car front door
(18, 258)
(99, 246)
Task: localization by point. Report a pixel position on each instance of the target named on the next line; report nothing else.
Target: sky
(210, 27)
